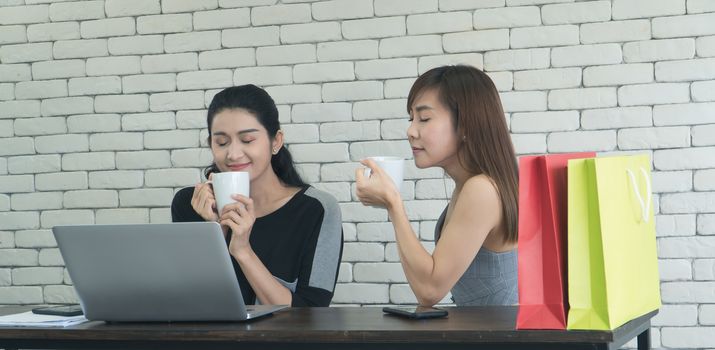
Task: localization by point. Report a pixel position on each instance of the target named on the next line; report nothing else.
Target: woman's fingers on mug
(368, 163)
(207, 190)
(230, 224)
(231, 215)
(359, 175)
(239, 208)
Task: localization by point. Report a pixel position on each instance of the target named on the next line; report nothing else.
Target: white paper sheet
(28, 319)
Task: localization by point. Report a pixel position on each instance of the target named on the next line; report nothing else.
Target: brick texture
(103, 106)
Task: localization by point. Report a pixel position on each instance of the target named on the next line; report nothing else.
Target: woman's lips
(238, 167)
(416, 150)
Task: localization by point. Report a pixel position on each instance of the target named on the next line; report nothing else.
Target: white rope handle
(645, 206)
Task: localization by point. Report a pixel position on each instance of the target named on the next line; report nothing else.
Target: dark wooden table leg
(644, 340)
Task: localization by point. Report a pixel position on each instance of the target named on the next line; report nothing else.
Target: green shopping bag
(612, 259)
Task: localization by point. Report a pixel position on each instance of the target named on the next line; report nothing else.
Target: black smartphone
(416, 312)
(64, 310)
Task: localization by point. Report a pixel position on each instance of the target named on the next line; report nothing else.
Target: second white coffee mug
(229, 183)
(393, 166)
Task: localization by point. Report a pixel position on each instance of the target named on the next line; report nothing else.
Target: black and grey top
(301, 244)
(490, 279)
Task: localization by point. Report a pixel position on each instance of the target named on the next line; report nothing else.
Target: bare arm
(476, 213)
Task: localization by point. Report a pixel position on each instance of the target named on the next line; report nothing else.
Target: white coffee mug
(229, 183)
(393, 166)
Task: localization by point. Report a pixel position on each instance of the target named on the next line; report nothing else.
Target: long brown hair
(485, 145)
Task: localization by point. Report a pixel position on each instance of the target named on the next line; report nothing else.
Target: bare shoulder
(480, 188)
(479, 204)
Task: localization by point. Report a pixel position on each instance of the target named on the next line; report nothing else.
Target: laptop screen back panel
(152, 272)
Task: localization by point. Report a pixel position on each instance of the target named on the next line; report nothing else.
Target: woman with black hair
(286, 240)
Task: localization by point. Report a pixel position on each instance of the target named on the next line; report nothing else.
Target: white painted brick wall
(679, 26)
(483, 40)
(439, 23)
(123, 216)
(134, 45)
(158, 24)
(374, 28)
(218, 19)
(11, 34)
(410, 46)
(705, 46)
(392, 7)
(196, 41)
(53, 31)
(281, 14)
(547, 79)
(57, 69)
(36, 201)
(80, 48)
(702, 91)
(15, 72)
(657, 93)
(38, 126)
(108, 27)
(168, 6)
(34, 164)
(623, 9)
(121, 65)
(40, 89)
(26, 52)
(24, 14)
(342, 9)
(618, 74)
(672, 181)
(347, 50)
(318, 72)
(66, 180)
(72, 11)
(508, 17)
(103, 102)
(119, 8)
(87, 161)
(90, 199)
(286, 54)
(263, 76)
(615, 31)
(556, 35)
(586, 55)
(143, 160)
(19, 145)
(95, 85)
(310, 32)
(591, 11)
(228, 58)
(428, 62)
(259, 36)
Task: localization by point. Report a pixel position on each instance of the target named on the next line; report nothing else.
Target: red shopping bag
(542, 241)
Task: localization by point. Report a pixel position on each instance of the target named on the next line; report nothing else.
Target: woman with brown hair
(457, 123)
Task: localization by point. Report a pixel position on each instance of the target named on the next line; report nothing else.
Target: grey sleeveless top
(490, 279)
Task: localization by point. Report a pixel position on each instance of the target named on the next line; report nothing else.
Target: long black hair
(261, 105)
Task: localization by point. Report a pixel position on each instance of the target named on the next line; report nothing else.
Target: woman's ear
(277, 142)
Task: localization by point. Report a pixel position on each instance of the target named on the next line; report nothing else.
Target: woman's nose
(235, 151)
(412, 131)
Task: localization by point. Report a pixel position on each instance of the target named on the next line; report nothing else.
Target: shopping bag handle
(645, 206)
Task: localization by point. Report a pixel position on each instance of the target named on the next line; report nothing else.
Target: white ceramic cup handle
(645, 205)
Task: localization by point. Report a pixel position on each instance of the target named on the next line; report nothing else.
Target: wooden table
(328, 328)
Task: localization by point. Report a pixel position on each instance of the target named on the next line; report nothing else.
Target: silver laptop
(154, 272)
